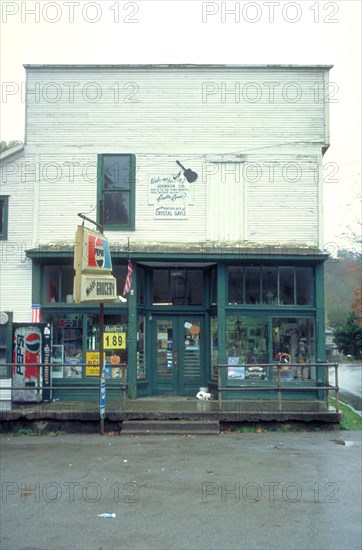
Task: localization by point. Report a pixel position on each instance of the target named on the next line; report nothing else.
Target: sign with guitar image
(189, 174)
(172, 194)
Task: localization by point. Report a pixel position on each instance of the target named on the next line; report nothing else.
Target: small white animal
(204, 396)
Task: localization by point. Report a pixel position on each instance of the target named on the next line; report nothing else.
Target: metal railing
(224, 383)
(45, 382)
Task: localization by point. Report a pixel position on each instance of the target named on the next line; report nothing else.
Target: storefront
(187, 312)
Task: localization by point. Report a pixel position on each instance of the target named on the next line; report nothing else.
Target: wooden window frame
(4, 204)
(130, 226)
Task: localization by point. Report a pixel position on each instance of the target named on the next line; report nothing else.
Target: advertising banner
(93, 281)
(28, 348)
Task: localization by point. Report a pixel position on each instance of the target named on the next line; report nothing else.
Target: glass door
(178, 351)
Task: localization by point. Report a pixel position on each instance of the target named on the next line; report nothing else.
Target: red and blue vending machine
(31, 362)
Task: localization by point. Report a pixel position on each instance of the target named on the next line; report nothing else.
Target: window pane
(286, 285)
(247, 343)
(214, 347)
(51, 284)
(213, 287)
(235, 285)
(120, 274)
(67, 283)
(116, 172)
(68, 339)
(141, 348)
(195, 287)
(116, 208)
(252, 285)
(294, 337)
(178, 287)
(2, 218)
(141, 285)
(160, 286)
(270, 285)
(304, 286)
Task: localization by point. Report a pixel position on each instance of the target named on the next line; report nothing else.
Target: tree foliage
(342, 278)
(357, 305)
(5, 145)
(348, 338)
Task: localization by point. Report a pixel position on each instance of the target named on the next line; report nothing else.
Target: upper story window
(4, 205)
(116, 187)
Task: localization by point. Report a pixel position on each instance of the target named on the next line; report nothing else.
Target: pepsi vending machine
(31, 347)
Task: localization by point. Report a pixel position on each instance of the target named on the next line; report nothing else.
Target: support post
(102, 367)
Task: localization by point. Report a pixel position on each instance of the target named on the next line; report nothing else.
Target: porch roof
(206, 252)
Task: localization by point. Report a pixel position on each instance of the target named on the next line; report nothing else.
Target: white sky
(174, 32)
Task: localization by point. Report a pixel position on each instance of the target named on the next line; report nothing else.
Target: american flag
(35, 313)
(128, 283)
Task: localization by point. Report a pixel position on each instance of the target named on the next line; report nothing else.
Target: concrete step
(169, 427)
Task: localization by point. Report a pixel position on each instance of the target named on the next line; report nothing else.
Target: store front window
(75, 354)
(214, 346)
(114, 345)
(58, 284)
(58, 281)
(141, 347)
(247, 343)
(67, 349)
(294, 340)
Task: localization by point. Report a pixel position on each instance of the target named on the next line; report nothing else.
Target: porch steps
(170, 427)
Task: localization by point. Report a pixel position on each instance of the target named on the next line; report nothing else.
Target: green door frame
(177, 384)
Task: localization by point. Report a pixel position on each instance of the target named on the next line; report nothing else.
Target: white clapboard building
(209, 178)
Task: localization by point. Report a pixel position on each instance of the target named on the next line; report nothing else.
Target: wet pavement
(350, 383)
(275, 490)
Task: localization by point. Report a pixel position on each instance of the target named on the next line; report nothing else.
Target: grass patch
(351, 421)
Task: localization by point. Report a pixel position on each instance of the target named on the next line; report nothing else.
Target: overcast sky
(193, 31)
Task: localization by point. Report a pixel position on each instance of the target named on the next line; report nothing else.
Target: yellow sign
(92, 358)
(92, 371)
(114, 340)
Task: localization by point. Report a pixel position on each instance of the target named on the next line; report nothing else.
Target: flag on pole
(35, 313)
(128, 283)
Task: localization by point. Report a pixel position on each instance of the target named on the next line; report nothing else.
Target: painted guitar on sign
(189, 174)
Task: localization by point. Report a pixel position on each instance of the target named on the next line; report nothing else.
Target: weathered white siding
(254, 135)
(15, 268)
(175, 109)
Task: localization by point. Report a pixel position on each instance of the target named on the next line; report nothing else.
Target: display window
(214, 346)
(141, 347)
(115, 336)
(294, 342)
(67, 345)
(247, 343)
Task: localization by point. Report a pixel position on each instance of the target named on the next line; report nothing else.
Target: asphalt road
(350, 383)
(275, 490)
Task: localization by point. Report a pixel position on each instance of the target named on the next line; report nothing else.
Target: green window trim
(130, 189)
(4, 217)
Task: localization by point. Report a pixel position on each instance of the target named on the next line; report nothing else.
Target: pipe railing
(224, 384)
(38, 386)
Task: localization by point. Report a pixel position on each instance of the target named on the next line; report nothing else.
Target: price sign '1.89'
(114, 340)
